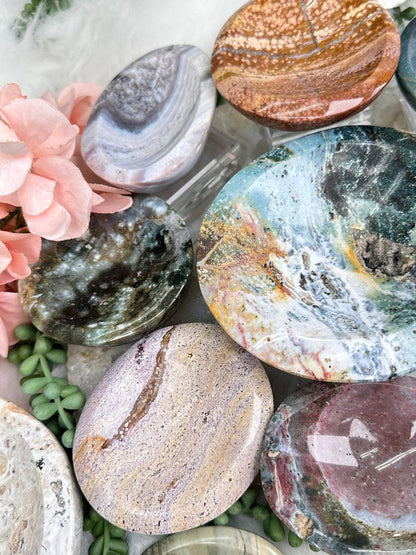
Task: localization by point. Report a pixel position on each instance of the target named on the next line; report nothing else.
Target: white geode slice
(148, 127)
(40, 508)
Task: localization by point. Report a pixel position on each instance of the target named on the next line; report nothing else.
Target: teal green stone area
(406, 70)
(118, 281)
(307, 257)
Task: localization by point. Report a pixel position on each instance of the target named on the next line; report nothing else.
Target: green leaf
(294, 540)
(29, 365)
(74, 401)
(43, 345)
(33, 385)
(52, 390)
(221, 520)
(248, 498)
(96, 548)
(14, 356)
(276, 530)
(119, 546)
(45, 411)
(68, 438)
(57, 356)
(24, 332)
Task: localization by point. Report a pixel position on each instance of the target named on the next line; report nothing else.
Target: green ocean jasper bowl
(116, 282)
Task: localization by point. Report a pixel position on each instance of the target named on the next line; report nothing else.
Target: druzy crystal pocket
(148, 127)
(339, 466)
(116, 282)
(307, 256)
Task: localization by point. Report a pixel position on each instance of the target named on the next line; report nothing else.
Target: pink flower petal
(11, 199)
(114, 200)
(24, 243)
(36, 194)
(42, 127)
(9, 93)
(15, 163)
(11, 315)
(17, 251)
(52, 224)
(17, 269)
(71, 192)
(7, 134)
(5, 257)
(49, 98)
(5, 209)
(77, 100)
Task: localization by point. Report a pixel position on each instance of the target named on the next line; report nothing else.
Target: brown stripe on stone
(147, 396)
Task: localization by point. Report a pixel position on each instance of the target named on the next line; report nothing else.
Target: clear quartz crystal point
(233, 142)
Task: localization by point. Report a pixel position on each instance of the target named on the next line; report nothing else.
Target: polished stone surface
(213, 540)
(118, 281)
(171, 436)
(296, 65)
(307, 256)
(87, 365)
(338, 466)
(406, 70)
(40, 508)
(150, 124)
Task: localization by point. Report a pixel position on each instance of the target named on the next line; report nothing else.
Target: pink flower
(56, 200)
(38, 169)
(41, 127)
(29, 129)
(17, 251)
(77, 100)
(108, 200)
(11, 315)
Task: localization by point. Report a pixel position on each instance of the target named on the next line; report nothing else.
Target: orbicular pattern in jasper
(338, 466)
(307, 256)
(148, 127)
(299, 65)
(213, 540)
(406, 70)
(171, 436)
(118, 281)
(40, 508)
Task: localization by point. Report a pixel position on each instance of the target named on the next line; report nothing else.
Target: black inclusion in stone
(118, 281)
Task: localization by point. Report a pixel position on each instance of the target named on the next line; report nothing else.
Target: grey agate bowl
(148, 127)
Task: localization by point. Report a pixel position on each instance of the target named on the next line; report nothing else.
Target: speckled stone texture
(118, 281)
(150, 124)
(299, 65)
(307, 256)
(40, 508)
(406, 70)
(213, 540)
(338, 466)
(171, 436)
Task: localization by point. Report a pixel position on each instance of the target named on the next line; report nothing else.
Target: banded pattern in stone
(213, 540)
(406, 70)
(116, 282)
(150, 124)
(338, 466)
(298, 65)
(307, 257)
(171, 436)
(40, 508)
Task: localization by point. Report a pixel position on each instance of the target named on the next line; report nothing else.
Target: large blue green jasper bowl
(118, 281)
(307, 256)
